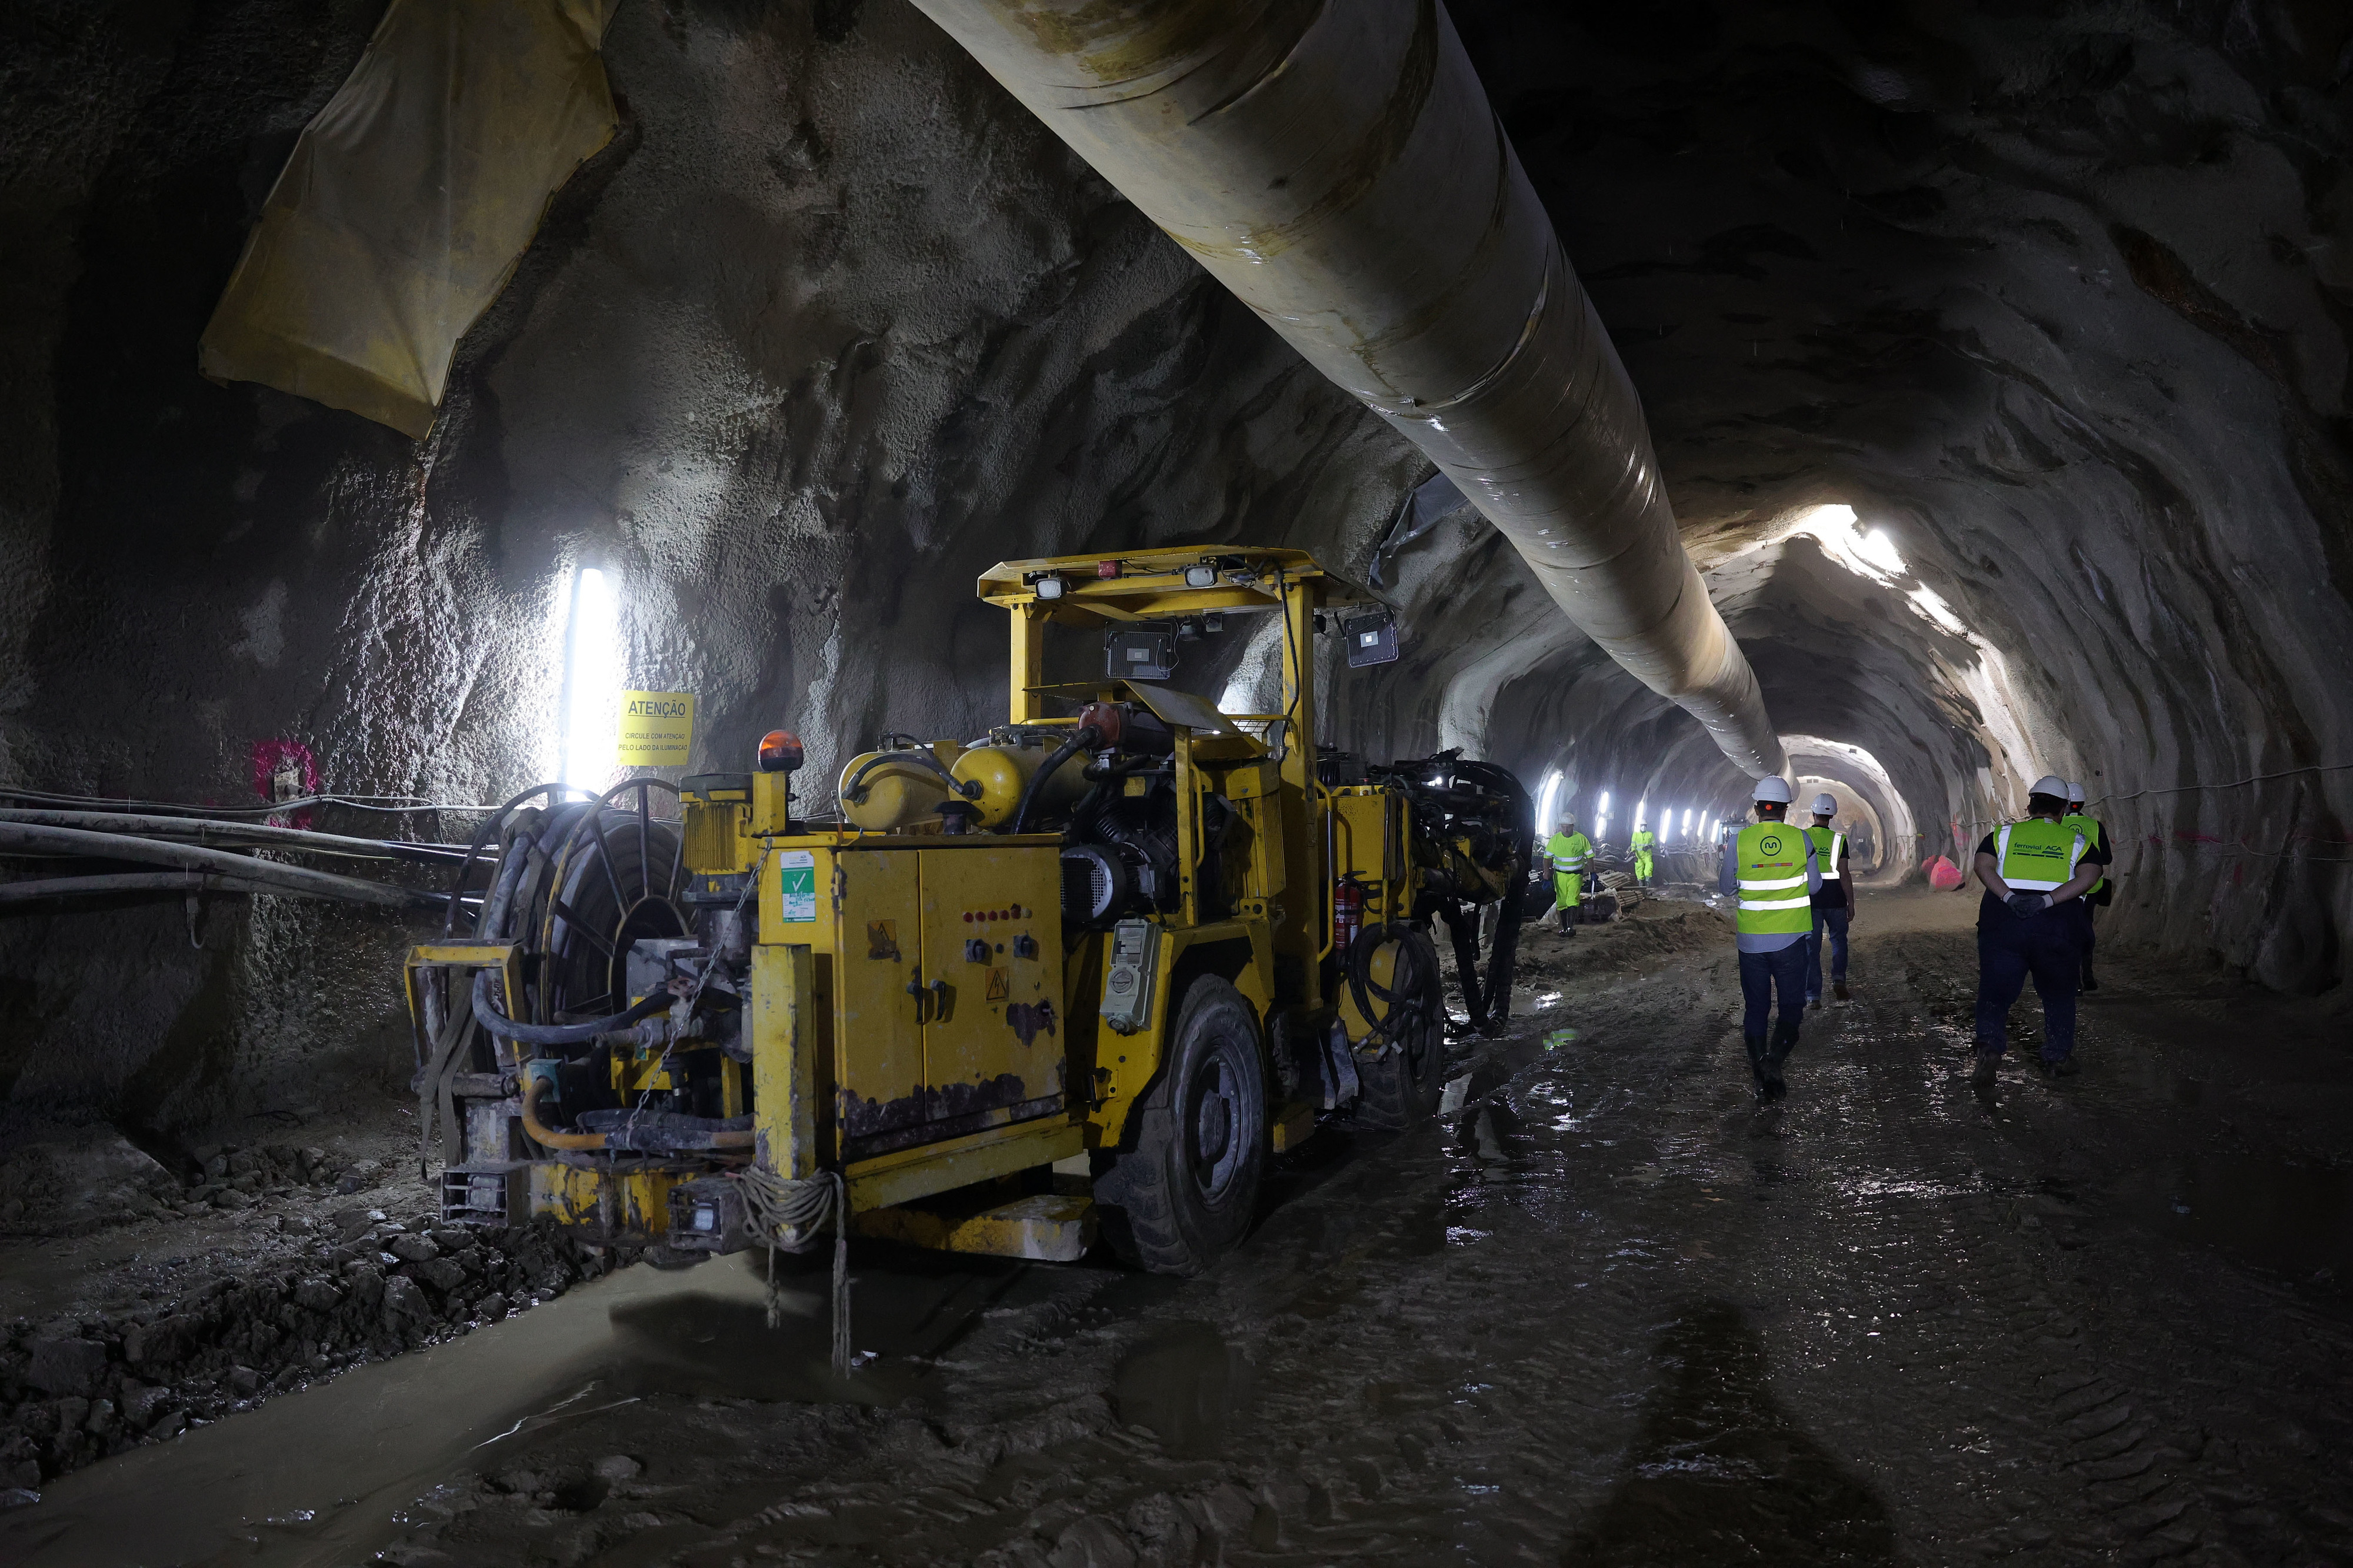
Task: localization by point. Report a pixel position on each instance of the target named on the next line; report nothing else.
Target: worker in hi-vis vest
(2104, 891)
(1833, 906)
(1772, 875)
(2031, 869)
(1569, 851)
(1641, 844)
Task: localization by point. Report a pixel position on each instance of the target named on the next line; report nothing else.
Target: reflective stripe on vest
(2089, 827)
(1567, 859)
(1771, 862)
(1828, 844)
(2037, 856)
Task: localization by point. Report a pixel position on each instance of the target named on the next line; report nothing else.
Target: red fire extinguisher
(1348, 914)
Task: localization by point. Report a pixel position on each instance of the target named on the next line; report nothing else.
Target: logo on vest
(1770, 844)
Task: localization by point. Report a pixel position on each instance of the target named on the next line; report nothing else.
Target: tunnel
(1615, 409)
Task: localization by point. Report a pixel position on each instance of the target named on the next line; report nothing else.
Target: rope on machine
(789, 1213)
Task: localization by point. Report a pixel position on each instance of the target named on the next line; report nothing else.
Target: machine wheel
(1402, 1087)
(1187, 1191)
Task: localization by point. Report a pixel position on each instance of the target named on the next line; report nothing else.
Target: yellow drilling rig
(1089, 971)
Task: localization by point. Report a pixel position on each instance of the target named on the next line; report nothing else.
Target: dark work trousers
(1761, 974)
(2046, 946)
(1833, 922)
(2085, 935)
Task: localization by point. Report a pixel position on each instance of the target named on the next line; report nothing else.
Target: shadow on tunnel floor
(1718, 1473)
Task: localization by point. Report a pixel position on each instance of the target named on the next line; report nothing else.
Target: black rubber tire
(1185, 1192)
(1402, 1087)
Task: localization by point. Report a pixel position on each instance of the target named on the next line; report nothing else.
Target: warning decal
(657, 728)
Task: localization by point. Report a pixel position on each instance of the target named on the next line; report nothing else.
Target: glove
(2025, 904)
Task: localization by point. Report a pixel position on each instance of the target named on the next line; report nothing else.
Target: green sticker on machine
(796, 885)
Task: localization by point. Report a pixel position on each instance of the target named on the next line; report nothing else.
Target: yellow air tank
(885, 790)
(1003, 771)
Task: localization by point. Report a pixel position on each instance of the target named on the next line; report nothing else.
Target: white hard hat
(1774, 789)
(1825, 805)
(2053, 785)
(2075, 792)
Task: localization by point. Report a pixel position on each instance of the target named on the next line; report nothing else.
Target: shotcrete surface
(1608, 1310)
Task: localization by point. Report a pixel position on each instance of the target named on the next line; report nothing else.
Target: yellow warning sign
(657, 728)
(1000, 985)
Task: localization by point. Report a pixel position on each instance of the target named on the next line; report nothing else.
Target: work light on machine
(1046, 585)
(1202, 576)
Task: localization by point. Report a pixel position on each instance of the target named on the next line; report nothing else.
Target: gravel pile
(363, 1287)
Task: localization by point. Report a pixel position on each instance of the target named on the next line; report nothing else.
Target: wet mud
(1606, 1310)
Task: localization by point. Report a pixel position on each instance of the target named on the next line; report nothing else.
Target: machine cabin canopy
(1139, 586)
(1152, 585)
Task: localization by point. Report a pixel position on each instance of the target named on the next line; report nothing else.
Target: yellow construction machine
(1093, 969)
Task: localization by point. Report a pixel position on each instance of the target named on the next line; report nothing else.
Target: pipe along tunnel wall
(2059, 305)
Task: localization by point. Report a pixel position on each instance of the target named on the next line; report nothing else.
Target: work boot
(1775, 1085)
(1757, 1067)
(2089, 982)
(2063, 1068)
(1838, 989)
(1981, 1076)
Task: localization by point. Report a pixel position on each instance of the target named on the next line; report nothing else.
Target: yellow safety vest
(1643, 841)
(1770, 861)
(1828, 844)
(2089, 827)
(2037, 856)
(1569, 851)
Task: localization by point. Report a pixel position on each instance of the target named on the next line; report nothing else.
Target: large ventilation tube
(1334, 162)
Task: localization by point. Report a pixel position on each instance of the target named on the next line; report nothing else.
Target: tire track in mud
(1612, 1312)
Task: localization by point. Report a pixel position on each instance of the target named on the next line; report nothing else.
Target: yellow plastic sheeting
(409, 200)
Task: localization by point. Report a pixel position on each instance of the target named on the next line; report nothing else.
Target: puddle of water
(314, 1477)
(2296, 1220)
(1188, 1385)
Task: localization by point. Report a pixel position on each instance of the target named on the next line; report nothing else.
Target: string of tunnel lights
(1550, 798)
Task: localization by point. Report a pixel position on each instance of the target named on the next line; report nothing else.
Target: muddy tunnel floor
(1608, 1310)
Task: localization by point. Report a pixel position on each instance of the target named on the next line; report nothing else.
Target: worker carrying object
(2031, 871)
(1643, 843)
(1569, 850)
(2104, 891)
(1833, 906)
(1773, 875)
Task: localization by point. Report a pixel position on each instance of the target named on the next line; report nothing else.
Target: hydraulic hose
(855, 790)
(1401, 999)
(1086, 739)
(42, 889)
(639, 1130)
(231, 834)
(487, 1014)
(547, 1136)
(482, 837)
(29, 838)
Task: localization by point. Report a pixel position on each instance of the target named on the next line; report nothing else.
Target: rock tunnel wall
(2059, 304)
